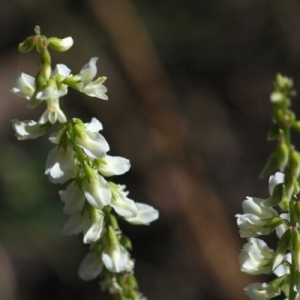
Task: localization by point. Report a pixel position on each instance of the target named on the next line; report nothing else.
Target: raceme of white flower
(80, 159)
(279, 213)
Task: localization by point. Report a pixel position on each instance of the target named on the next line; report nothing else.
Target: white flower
(96, 89)
(283, 269)
(274, 180)
(53, 111)
(90, 267)
(23, 85)
(90, 223)
(61, 44)
(86, 84)
(115, 258)
(113, 165)
(27, 130)
(256, 216)
(97, 191)
(281, 229)
(88, 72)
(60, 165)
(92, 142)
(146, 214)
(122, 205)
(73, 197)
(258, 291)
(256, 257)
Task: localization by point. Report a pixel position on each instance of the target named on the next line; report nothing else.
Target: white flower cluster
(93, 189)
(31, 89)
(80, 158)
(256, 257)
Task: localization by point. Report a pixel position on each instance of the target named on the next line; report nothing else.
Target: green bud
(113, 222)
(113, 239)
(277, 196)
(282, 247)
(274, 287)
(284, 82)
(89, 172)
(72, 81)
(289, 184)
(271, 166)
(278, 114)
(277, 97)
(296, 126)
(78, 130)
(125, 241)
(296, 211)
(131, 281)
(295, 163)
(60, 45)
(283, 155)
(296, 248)
(274, 133)
(40, 82)
(27, 45)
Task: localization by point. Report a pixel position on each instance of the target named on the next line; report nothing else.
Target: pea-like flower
(53, 112)
(27, 130)
(73, 198)
(89, 222)
(97, 191)
(274, 180)
(256, 257)
(145, 215)
(91, 266)
(60, 165)
(115, 258)
(23, 85)
(123, 206)
(258, 291)
(112, 165)
(253, 222)
(91, 141)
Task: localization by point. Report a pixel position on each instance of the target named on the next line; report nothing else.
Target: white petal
(60, 165)
(97, 192)
(28, 129)
(23, 85)
(73, 197)
(274, 180)
(90, 267)
(94, 126)
(114, 165)
(89, 71)
(93, 233)
(93, 144)
(62, 70)
(115, 258)
(146, 215)
(75, 224)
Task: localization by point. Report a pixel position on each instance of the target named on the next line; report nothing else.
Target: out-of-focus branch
(203, 210)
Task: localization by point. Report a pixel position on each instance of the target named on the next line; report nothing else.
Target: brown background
(189, 84)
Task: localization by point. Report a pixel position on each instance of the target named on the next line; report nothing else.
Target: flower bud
(271, 165)
(27, 45)
(296, 126)
(283, 155)
(278, 195)
(283, 245)
(125, 241)
(274, 133)
(60, 45)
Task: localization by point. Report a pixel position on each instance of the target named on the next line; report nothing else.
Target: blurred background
(189, 84)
